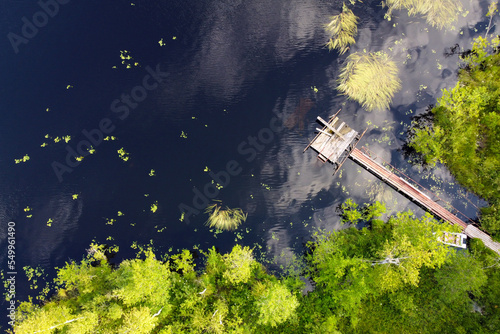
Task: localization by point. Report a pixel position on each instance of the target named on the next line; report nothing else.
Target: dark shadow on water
(418, 122)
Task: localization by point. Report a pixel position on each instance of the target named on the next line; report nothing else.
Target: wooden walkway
(420, 198)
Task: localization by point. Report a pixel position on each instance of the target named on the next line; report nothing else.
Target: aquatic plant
(438, 13)
(23, 159)
(154, 207)
(371, 79)
(123, 154)
(224, 219)
(127, 59)
(342, 29)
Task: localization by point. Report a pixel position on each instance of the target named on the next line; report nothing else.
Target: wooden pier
(336, 141)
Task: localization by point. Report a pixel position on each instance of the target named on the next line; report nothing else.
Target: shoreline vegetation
(463, 130)
(392, 276)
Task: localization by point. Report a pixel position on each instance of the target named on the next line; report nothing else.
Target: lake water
(235, 70)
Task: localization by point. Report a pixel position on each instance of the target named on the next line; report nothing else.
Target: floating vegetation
(44, 144)
(154, 207)
(371, 79)
(91, 150)
(120, 214)
(74, 196)
(161, 42)
(79, 158)
(314, 89)
(109, 138)
(49, 222)
(377, 191)
(23, 159)
(127, 59)
(69, 86)
(66, 138)
(342, 29)
(123, 155)
(438, 13)
(110, 221)
(217, 185)
(224, 219)
(183, 135)
(152, 172)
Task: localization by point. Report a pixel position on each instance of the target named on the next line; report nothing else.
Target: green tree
(239, 265)
(465, 132)
(275, 304)
(353, 266)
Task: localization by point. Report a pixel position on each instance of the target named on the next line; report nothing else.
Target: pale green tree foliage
(138, 320)
(438, 13)
(371, 79)
(342, 29)
(85, 325)
(147, 295)
(413, 244)
(276, 305)
(90, 276)
(239, 265)
(143, 281)
(47, 319)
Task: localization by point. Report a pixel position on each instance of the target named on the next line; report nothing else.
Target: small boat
(453, 239)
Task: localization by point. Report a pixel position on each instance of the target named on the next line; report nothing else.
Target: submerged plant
(224, 219)
(371, 79)
(342, 29)
(438, 13)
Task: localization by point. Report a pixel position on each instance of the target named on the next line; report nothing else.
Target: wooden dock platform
(336, 141)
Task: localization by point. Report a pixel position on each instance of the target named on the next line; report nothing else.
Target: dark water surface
(235, 69)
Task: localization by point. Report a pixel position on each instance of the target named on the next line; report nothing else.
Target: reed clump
(438, 13)
(342, 29)
(371, 79)
(224, 218)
